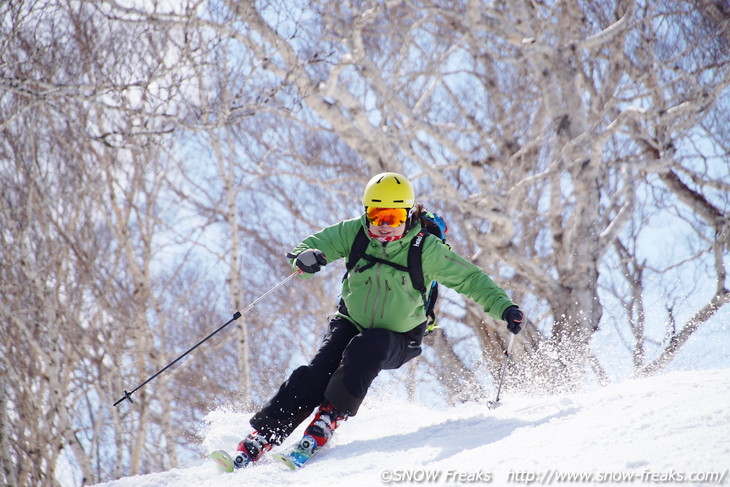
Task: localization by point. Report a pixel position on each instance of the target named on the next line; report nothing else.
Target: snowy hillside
(668, 430)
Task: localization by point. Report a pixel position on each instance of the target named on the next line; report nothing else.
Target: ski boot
(317, 434)
(248, 451)
(324, 424)
(251, 449)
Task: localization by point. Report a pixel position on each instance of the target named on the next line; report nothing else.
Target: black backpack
(432, 224)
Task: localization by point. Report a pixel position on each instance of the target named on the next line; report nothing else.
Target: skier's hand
(514, 318)
(310, 261)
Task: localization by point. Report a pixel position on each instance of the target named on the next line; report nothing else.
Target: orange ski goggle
(394, 217)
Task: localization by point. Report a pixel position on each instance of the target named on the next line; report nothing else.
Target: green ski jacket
(382, 296)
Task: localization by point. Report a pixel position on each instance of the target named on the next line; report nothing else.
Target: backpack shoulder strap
(357, 250)
(415, 269)
(415, 264)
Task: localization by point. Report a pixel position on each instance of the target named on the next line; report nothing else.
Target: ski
(223, 460)
(294, 458)
(299, 454)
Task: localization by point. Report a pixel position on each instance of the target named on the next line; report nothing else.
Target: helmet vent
(389, 190)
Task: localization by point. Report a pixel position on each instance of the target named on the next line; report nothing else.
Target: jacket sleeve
(334, 241)
(442, 264)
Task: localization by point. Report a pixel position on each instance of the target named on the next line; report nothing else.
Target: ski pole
(495, 403)
(236, 315)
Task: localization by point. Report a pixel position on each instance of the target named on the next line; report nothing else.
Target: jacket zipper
(415, 300)
(369, 282)
(385, 299)
(455, 261)
(374, 308)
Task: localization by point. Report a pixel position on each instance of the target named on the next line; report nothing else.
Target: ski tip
(285, 460)
(223, 460)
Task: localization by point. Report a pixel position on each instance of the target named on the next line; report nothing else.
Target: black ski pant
(341, 372)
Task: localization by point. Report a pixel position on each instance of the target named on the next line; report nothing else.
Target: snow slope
(667, 430)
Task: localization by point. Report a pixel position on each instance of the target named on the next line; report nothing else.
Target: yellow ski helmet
(388, 190)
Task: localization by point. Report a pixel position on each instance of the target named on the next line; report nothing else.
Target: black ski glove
(514, 318)
(310, 261)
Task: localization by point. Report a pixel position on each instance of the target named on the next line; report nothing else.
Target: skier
(380, 321)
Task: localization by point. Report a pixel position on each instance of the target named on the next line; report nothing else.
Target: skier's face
(386, 230)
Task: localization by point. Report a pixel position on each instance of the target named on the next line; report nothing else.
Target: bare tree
(80, 211)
